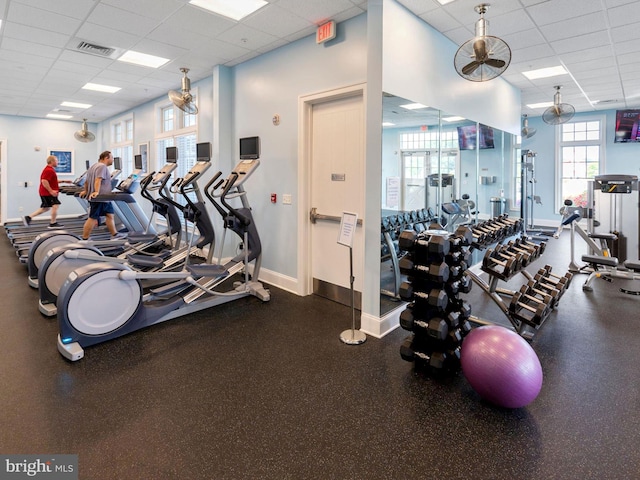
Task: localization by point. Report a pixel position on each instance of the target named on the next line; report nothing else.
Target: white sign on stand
(347, 228)
(347, 231)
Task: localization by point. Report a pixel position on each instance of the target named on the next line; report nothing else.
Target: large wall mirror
(438, 168)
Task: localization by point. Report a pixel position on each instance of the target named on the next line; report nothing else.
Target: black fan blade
(495, 62)
(469, 68)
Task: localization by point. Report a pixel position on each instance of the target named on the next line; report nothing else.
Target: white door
(337, 186)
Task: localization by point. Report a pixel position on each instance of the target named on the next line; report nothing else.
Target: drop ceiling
(595, 40)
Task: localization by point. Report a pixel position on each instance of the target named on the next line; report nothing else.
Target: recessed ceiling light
(75, 105)
(143, 59)
(57, 115)
(413, 106)
(540, 105)
(234, 9)
(452, 119)
(387, 124)
(545, 72)
(444, 2)
(101, 88)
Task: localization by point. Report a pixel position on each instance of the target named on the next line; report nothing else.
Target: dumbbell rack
(435, 265)
(391, 226)
(529, 307)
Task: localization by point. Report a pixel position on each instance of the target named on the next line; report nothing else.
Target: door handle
(314, 216)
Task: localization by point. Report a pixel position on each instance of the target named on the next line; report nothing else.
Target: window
(176, 129)
(423, 154)
(122, 143)
(580, 158)
(516, 165)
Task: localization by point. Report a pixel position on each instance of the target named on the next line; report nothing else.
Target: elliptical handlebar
(210, 195)
(240, 216)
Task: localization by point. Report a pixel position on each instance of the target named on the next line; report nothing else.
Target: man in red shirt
(48, 191)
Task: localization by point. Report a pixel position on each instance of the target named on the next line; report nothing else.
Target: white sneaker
(119, 236)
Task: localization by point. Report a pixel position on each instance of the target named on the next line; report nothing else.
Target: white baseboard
(284, 282)
(378, 327)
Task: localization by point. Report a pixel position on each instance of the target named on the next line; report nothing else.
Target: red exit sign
(326, 32)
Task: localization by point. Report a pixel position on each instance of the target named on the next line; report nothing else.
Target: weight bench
(607, 269)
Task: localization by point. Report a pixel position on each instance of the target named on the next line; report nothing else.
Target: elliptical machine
(87, 314)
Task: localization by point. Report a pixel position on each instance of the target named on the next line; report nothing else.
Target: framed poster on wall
(143, 149)
(65, 161)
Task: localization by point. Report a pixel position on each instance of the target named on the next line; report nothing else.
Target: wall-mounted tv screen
(627, 126)
(172, 154)
(468, 137)
(249, 148)
(203, 152)
(137, 162)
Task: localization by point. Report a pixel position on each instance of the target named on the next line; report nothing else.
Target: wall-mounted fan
(527, 131)
(84, 135)
(559, 112)
(484, 57)
(183, 100)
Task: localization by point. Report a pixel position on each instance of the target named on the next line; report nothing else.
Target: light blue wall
(622, 158)
(24, 163)
(271, 84)
(418, 65)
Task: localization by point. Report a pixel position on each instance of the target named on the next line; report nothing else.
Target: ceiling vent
(83, 46)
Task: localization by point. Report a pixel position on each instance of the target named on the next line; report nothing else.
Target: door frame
(305, 115)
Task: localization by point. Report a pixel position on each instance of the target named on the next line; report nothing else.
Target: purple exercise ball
(501, 366)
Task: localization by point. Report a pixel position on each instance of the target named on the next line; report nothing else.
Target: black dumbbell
(434, 245)
(489, 263)
(566, 278)
(436, 272)
(435, 327)
(462, 285)
(531, 314)
(437, 362)
(541, 291)
(435, 297)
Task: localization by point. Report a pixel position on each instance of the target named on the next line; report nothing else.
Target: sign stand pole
(347, 229)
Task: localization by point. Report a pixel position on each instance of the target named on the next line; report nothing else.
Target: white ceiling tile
(42, 19)
(572, 27)
(559, 10)
(200, 21)
(512, 22)
(246, 37)
(442, 21)
(529, 54)
(119, 20)
(623, 15)
(524, 39)
(30, 48)
(156, 9)
(571, 58)
(315, 12)
(418, 7)
(624, 33)
(71, 8)
(276, 21)
(33, 34)
(582, 42)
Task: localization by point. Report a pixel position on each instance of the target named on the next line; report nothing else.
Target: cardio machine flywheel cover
(102, 303)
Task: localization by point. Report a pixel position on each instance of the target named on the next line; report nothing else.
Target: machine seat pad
(207, 270)
(140, 260)
(451, 208)
(598, 260)
(632, 265)
(604, 236)
(141, 237)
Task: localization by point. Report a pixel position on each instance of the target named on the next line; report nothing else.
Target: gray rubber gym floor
(268, 391)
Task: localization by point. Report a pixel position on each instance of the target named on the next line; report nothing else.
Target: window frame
(560, 144)
(124, 128)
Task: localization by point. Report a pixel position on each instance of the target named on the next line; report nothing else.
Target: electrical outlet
(286, 199)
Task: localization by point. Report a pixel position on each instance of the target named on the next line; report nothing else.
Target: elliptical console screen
(117, 164)
(172, 154)
(203, 152)
(249, 148)
(137, 162)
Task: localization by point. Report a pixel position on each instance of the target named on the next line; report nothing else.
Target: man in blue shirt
(98, 182)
